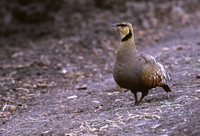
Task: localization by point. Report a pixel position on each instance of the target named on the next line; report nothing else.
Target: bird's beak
(114, 24)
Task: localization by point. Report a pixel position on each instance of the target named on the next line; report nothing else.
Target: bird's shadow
(158, 98)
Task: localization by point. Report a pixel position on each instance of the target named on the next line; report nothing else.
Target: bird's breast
(126, 75)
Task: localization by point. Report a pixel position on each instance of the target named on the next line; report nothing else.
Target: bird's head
(125, 29)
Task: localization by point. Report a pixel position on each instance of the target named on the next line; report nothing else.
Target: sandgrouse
(135, 70)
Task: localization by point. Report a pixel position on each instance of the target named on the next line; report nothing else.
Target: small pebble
(64, 71)
(198, 76)
(165, 49)
(155, 126)
(178, 48)
(198, 91)
(112, 93)
(96, 101)
(72, 97)
(83, 87)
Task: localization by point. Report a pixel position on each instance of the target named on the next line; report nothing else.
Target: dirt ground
(61, 83)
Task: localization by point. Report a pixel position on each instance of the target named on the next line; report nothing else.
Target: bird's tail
(166, 88)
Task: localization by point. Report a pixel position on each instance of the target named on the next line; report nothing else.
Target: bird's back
(153, 73)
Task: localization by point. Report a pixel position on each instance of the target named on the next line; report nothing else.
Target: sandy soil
(61, 83)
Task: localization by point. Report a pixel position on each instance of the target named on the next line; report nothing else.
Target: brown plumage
(134, 70)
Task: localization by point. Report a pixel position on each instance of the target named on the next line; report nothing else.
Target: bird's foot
(137, 103)
(119, 89)
(168, 95)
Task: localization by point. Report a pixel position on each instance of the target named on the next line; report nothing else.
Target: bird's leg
(136, 99)
(144, 93)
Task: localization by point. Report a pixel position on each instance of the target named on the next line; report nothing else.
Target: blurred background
(66, 36)
(70, 41)
(73, 18)
(75, 30)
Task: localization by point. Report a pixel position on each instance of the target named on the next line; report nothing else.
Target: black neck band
(128, 36)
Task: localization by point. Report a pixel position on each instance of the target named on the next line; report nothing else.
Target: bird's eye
(122, 25)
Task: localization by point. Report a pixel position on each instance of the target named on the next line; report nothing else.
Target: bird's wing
(153, 73)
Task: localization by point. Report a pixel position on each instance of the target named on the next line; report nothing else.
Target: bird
(134, 70)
